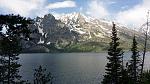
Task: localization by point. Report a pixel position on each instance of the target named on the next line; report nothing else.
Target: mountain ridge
(76, 32)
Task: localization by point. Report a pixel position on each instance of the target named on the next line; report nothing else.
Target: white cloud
(132, 17)
(81, 9)
(111, 2)
(57, 15)
(124, 7)
(136, 16)
(22, 7)
(97, 9)
(32, 8)
(63, 4)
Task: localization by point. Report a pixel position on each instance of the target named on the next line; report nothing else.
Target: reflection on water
(68, 68)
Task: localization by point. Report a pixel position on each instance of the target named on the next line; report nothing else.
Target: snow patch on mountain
(41, 41)
(40, 28)
(83, 24)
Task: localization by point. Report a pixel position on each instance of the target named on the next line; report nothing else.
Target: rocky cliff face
(77, 31)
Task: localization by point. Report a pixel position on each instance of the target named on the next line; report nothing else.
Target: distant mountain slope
(76, 32)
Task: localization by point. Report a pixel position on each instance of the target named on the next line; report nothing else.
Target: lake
(69, 68)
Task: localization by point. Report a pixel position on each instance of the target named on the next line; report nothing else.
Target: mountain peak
(75, 17)
(49, 16)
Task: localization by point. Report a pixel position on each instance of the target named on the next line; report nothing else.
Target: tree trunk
(9, 70)
(145, 46)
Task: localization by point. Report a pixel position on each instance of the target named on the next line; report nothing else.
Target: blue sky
(127, 12)
(112, 5)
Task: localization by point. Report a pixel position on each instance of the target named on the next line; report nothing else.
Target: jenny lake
(69, 68)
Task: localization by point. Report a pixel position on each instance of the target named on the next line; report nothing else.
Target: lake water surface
(69, 68)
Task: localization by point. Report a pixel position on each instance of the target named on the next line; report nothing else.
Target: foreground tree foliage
(146, 77)
(114, 67)
(13, 29)
(42, 77)
(116, 73)
(135, 64)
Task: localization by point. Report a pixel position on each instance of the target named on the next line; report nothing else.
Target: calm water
(69, 68)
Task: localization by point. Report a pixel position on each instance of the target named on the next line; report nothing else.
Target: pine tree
(41, 77)
(113, 67)
(135, 64)
(15, 29)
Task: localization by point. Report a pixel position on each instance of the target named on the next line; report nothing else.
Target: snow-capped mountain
(89, 27)
(70, 30)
